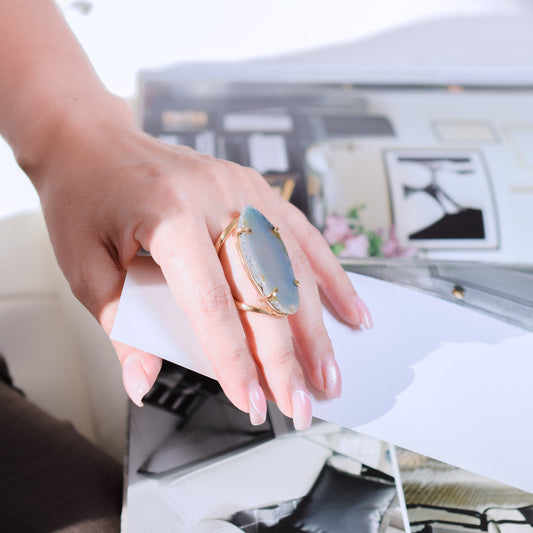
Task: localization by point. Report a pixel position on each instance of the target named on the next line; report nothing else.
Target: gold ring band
(225, 234)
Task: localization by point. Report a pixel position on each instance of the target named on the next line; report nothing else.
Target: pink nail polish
(366, 317)
(331, 374)
(135, 381)
(301, 409)
(257, 406)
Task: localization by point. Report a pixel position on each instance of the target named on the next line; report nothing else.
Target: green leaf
(375, 242)
(337, 248)
(354, 211)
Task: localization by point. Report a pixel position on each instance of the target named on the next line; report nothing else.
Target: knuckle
(232, 358)
(219, 180)
(216, 301)
(248, 175)
(166, 195)
(82, 284)
(213, 171)
(317, 331)
(311, 233)
(284, 357)
(153, 170)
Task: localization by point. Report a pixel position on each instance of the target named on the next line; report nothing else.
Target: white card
(431, 376)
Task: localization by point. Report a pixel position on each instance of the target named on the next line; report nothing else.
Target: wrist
(65, 130)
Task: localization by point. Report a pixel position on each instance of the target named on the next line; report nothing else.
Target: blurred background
(122, 36)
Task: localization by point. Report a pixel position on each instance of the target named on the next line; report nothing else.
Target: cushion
(337, 502)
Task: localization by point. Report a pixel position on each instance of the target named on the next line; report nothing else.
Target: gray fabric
(52, 479)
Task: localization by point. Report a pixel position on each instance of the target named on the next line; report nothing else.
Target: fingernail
(366, 317)
(135, 381)
(301, 409)
(331, 374)
(257, 406)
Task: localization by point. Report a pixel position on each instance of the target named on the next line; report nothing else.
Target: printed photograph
(441, 198)
(444, 499)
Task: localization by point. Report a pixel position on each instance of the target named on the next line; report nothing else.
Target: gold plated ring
(266, 262)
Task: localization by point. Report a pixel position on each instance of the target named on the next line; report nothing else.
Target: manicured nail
(366, 317)
(257, 406)
(135, 381)
(302, 414)
(331, 374)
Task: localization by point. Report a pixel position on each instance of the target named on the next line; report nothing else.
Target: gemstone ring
(265, 261)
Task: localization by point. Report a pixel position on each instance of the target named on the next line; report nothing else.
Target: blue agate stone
(267, 262)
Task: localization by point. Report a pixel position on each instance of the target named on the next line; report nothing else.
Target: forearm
(48, 89)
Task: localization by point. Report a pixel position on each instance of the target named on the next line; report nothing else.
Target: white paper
(431, 376)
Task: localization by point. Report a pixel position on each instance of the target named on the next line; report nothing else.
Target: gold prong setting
(272, 294)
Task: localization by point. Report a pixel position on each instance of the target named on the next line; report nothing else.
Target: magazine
(430, 436)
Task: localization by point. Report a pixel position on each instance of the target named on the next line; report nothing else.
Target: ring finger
(252, 269)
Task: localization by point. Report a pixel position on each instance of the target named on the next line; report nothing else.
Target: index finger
(197, 281)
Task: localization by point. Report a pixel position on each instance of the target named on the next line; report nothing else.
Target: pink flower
(337, 229)
(392, 247)
(356, 246)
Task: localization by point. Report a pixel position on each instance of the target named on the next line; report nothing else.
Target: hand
(107, 189)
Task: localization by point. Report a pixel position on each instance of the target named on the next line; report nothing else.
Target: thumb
(139, 370)
(98, 286)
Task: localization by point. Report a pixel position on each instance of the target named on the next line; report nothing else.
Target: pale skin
(107, 189)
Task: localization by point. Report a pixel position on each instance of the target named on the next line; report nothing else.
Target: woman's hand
(109, 189)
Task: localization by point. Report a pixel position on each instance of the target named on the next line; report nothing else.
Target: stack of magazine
(420, 190)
